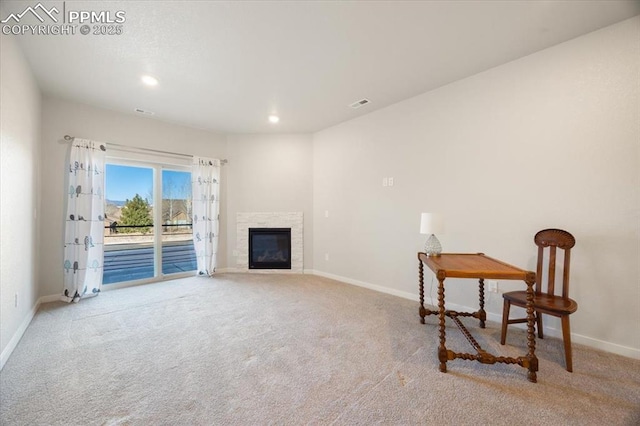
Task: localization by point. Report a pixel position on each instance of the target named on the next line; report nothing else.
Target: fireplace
(269, 248)
(290, 220)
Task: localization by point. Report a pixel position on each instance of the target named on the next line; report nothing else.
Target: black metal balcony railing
(135, 260)
(113, 227)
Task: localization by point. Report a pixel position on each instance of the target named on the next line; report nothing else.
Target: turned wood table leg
(481, 313)
(442, 350)
(531, 336)
(422, 311)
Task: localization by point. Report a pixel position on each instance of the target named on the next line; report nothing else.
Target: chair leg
(505, 319)
(539, 320)
(566, 336)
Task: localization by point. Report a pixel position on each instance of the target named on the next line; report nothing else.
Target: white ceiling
(225, 66)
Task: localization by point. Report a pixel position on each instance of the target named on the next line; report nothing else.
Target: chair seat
(543, 302)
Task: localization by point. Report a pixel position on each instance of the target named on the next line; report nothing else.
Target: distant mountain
(116, 203)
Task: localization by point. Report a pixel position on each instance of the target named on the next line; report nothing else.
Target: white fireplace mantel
(293, 220)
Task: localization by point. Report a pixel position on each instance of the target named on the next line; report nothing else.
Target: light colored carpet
(289, 349)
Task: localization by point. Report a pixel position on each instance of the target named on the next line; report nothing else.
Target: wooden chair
(546, 302)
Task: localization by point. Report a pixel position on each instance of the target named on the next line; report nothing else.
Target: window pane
(178, 254)
(128, 238)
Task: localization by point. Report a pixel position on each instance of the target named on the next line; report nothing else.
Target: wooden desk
(480, 267)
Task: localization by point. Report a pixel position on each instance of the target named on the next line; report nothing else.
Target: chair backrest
(554, 239)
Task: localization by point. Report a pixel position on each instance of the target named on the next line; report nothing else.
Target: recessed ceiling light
(149, 80)
(274, 119)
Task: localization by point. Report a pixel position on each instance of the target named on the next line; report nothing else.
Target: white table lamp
(430, 223)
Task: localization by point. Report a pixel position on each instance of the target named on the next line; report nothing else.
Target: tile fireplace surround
(292, 220)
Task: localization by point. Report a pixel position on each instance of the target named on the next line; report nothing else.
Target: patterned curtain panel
(205, 173)
(84, 230)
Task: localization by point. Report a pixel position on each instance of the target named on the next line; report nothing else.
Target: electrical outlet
(326, 213)
(385, 181)
(493, 286)
(326, 256)
(390, 181)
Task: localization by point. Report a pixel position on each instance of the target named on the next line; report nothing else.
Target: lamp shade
(430, 223)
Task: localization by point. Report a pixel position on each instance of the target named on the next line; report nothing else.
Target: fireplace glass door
(269, 248)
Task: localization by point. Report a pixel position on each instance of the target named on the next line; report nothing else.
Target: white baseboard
(399, 293)
(553, 332)
(258, 271)
(49, 299)
(8, 350)
(596, 343)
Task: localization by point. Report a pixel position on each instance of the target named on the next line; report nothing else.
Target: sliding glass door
(148, 233)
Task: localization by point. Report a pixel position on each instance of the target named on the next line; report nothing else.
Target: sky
(124, 182)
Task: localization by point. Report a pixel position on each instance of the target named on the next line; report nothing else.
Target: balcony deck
(134, 261)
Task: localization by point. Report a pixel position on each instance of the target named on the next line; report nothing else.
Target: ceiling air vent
(141, 111)
(359, 103)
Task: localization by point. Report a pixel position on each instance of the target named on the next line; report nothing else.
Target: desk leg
(531, 337)
(442, 350)
(422, 311)
(482, 315)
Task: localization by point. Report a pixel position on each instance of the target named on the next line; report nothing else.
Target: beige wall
(19, 135)
(60, 118)
(550, 140)
(270, 173)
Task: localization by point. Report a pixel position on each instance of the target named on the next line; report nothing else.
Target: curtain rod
(70, 138)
